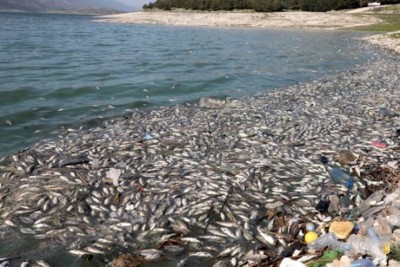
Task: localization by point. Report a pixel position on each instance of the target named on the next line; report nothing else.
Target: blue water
(66, 70)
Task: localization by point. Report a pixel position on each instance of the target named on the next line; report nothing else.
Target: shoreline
(166, 173)
(385, 41)
(296, 20)
(251, 19)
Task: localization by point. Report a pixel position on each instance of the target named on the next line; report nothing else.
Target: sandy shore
(333, 20)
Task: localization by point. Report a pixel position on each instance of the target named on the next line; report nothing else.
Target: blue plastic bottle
(362, 263)
(339, 176)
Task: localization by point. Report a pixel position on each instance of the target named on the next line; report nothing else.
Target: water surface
(66, 70)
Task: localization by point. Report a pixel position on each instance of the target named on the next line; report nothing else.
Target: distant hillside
(89, 6)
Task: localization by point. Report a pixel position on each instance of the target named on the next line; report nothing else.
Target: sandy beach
(332, 20)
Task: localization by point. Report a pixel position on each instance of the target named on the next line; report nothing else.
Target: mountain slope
(62, 5)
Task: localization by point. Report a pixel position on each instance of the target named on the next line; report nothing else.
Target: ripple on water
(76, 64)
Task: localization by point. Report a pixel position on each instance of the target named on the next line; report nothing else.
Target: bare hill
(62, 5)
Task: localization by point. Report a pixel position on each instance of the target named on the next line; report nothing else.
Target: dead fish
(151, 254)
(42, 263)
(78, 252)
(266, 238)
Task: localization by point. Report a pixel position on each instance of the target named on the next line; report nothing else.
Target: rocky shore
(223, 183)
(389, 41)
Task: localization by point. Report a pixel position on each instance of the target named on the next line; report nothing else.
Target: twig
(223, 206)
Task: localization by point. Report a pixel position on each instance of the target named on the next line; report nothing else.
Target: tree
(263, 5)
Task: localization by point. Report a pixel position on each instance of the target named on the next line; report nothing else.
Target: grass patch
(389, 9)
(395, 36)
(390, 23)
(394, 252)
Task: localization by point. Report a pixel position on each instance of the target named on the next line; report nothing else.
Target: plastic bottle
(356, 245)
(372, 199)
(394, 220)
(364, 246)
(327, 240)
(362, 263)
(339, 176)
(381, 244)
(392, 196)
(371, 234)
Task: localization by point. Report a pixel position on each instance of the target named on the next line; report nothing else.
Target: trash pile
(366, 234)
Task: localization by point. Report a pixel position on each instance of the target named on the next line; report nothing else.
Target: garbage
(149, 137)
(114, 175)
(346, 157)
(344, 261)
(327, 240)
(368, 238)
(393, 263)
(356, 245)
(397, 132)
(339, 176)
(371, 200)
(323, 159)
(379, 241)
(310, 227)
(379, 144)
(334, 204)
(341, 229)
(394, 219)
(287, 262)
(362, 263)
(390, 198)
(371, 234)
(329, 256)
(322, 206)
(310, 237)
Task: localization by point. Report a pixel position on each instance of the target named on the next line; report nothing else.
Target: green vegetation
(262, 5)
(390, 23)
(394, 252)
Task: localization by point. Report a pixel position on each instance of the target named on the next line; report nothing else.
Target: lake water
(67, 71)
